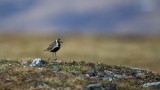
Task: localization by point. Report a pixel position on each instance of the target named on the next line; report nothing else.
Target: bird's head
(59, 40)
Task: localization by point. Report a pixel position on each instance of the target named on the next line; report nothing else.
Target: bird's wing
(51, 46)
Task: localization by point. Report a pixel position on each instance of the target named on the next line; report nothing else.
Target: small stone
(38, 62)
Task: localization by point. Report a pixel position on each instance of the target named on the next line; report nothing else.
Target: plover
(54, 47)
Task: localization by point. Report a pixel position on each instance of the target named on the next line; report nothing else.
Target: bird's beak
(61, 42)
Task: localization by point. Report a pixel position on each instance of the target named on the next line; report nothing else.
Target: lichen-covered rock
(154, 85)
(38, 62)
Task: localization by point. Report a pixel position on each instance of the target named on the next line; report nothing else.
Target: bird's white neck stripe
(57, 44)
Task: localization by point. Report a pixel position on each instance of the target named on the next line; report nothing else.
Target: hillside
(38, 74)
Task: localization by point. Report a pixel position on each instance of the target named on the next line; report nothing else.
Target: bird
(54, 47)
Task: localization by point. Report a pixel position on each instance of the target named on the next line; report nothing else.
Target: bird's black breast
(55, 49)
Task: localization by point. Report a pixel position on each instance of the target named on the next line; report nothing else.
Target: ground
(19, 74)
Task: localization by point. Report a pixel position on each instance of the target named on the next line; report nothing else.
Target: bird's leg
(55, 56)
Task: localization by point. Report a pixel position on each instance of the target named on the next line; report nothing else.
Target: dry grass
(134, 52)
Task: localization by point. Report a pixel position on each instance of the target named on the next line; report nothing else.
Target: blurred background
(117, 32)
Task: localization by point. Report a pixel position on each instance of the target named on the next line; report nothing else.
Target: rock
(136, 69)
(100, 75)
(108, 73)
(100, 87)
(93, 87)
(87, 75)
(92, 72)
(154, 85)
(107, 79)
(116, 71)
(40, 84)
(57, 61)
(120, 76)
(140, 74)
(89, 64)
(53, 89)
(38, 62)
(137, 72)
(24, 62)
(76, 73)
(110, 87)
(113, 78)
(55, 69)
(157, 78)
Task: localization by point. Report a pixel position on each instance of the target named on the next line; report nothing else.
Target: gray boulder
(38, 62)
